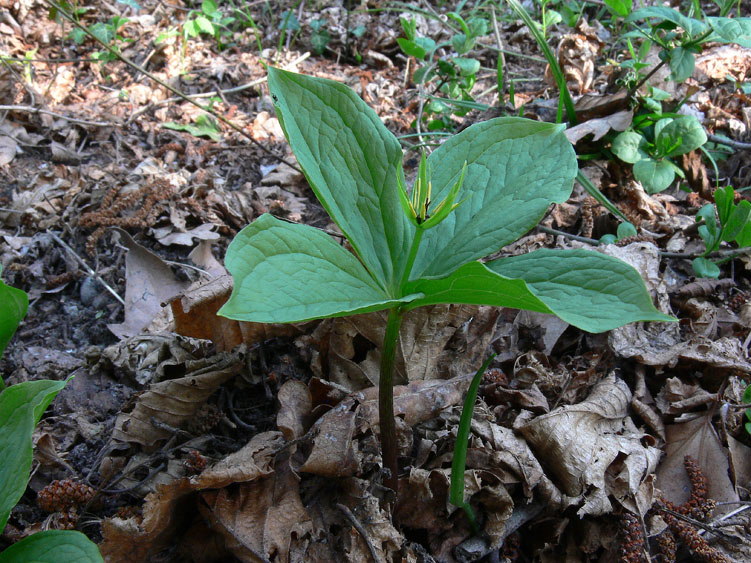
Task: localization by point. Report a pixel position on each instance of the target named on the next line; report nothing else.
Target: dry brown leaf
(149, 282)
(203, 257)
(740, 463)
(295, 404)
(580, 443)
(722, 61)
(169, 235)
(423, 350)
(599, 127)
(174, 401)
(698, 439)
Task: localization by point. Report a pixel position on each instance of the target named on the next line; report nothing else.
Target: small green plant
(734, 226)
(624, 231)
(479, 191)
(459, 463)
(21, 407)
(653, 141)
(209, 21)
(320, 36)
(453, 76)
(204, 126)
(747, 401)
(109, 33)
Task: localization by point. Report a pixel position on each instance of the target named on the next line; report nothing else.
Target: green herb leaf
(53, 546)
(628, 147)
(285, 272)
(589, 290)
(21, 407)
(686, 131)
(351, 161)
(620, 8)
(705, 268)
(682, 64)
(13, 306)
(731, 30)
(503, 195)
(655, 175)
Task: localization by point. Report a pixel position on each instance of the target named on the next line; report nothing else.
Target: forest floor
(188, 437)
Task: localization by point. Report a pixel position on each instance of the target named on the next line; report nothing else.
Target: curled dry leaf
(295, 404)
(427, 347)
(599, 127)
(149, 282)
(580, 444)
(174, 401)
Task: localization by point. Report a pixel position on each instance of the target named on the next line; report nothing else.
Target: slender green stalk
(456, 492)
(386, 399)
(411, 258)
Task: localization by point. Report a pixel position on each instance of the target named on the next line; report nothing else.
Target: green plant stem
(411, 258)
(386, 399)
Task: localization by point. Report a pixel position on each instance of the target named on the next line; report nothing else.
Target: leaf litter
(207, 438)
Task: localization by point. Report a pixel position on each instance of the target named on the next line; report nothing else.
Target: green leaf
(655, 175)
(515, 169)
(13, 306)
(693, 26)
(705, 268)
(319, 40)
(589, 290)
(467, 67)
(53, 546)
(475, 284)
(685, 130)
(285, 272)
(204, 126)
(731, 30)
(209, 7)
(204, 25)
(351, 161)
(681, 64)
(744, 237)
(725, 201)
(21, 407)
(737, 221)
(627, 147)
(626, 230)
(418, 47)
(620, 8)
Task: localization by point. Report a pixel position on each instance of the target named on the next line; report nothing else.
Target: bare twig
(729, 142)
(355, 522)
(85, 266)
(32, 109)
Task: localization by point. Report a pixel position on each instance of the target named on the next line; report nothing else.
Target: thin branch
(356, 523)
(85, 266)
(31, 109)
(729, 142)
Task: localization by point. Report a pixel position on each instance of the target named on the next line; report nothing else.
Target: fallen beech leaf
(698, 439)
(580, 443)
(174, 401)
(599, 127)
(149, 282)
(203, 257)
(169, 235)
(295, 404)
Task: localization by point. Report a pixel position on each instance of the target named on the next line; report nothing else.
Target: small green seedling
(204, 126)
(459, 463)
(479, 191)
(21, 407)
(747, 401)
(734, 226)
(651, 146)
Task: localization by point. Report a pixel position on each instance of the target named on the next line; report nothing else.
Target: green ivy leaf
(53, 546)
(515, 169)
(13, 306)
(351, 161)
(655, 175)
(21, 407)
(286, 272)
(589, 290)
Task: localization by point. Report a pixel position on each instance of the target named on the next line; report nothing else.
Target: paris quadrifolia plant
(481, 190)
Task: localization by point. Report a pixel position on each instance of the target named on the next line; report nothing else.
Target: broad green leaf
(467, 67)
(724, 200)
(627, 147)
(418, 47)
(626, 230)
(655, 175)
(515, 169)
(209, 7)
(731, 30)
(21, 407)
(13, 306)
(351, 161)
(705, 268)
(53, 546)
(737, 221)
(688, 131)
(682, 64)
(285, 272)
(744, 237)
(205, 25)
(619, 7)
(589, 290)
(693, 26)
(475, 284)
